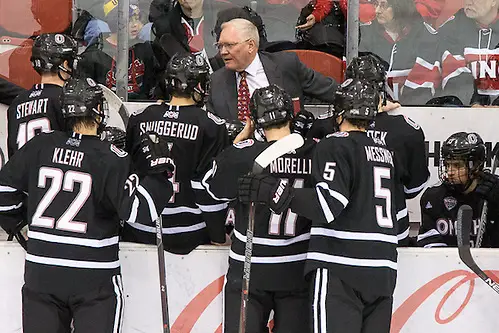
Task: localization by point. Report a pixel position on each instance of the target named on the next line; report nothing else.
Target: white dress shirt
(255, 76)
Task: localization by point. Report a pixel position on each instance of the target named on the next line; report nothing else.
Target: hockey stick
(279, 148)
(464, 221)
(485, 210)
(162, 274)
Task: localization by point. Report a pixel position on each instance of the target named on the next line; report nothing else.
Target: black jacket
(9, 91)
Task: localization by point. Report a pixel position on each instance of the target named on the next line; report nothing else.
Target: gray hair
(246, 29)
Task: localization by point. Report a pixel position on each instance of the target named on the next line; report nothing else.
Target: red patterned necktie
(243, 98)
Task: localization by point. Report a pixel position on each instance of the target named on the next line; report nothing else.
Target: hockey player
(78, 188)
(280, 238)
(38, 109)
(401, 135)
(463, 183)
(352, 258)
(191, 217)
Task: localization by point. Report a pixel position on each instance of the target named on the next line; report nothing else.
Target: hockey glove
(152, 155)
(303, 122)
(267, 190)
(114, 135)
(488, 187)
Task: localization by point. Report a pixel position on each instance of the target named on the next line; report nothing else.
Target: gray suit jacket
(283, 69)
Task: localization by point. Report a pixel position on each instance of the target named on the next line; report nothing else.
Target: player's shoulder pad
(216, 119)
(244, 144)
(117, 151)
(338, 135)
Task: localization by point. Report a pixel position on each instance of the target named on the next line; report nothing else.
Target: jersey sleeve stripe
(180, 210)
(150, 202)
(134, 211)
(269, 260)
(118, 290)
(350, 235)
(401, 214)
(404, 234)
(335, 194)
(206, 185)
(196, 185)
(273, 242)
(4, 188)
(169, 230)
(72, 263)
(73, 240)
(8, 208)
(351, 261)
(213, 208)
(428, 246)
(427, 234)
(416, 189)
(325, 208)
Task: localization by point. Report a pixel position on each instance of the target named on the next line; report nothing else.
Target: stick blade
(276, 150)
(464, 220)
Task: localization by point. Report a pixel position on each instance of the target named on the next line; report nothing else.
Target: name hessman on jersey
(173, 129)
(291, 165)
(36, 106)
(379, 154)
(68, 157)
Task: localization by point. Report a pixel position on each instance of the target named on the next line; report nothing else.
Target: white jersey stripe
(350, 235)
(7, 189)
(273, 242)
(401, 214)
(196, 185)
(169, 230)
(119, 304)
(351, 261)
(323, 313)
(73, 240)
(429, 246)
(213, 208)
(404, 234)
(207, 186)
(316, 300)
(269, 260)
(181, 209)
(335, 194)
(72, 263)
(152, 207)
(429, 233)
(416, 189)
(7, 208)
(325, 207)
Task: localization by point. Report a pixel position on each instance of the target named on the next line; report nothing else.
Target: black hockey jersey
(407, 140)
(32, 112)
(280, 241)
(195, 137)
(79, 188)
(439, 207)
(354, 233)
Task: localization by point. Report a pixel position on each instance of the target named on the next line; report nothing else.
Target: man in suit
(8, 91)
(246, 69)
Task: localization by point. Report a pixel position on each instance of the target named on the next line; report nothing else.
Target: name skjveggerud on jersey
(172, 129)
(379, 154)
(68, 157)
(36, 106)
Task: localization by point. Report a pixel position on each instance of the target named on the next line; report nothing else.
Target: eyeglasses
(229, 46)
(381, 4)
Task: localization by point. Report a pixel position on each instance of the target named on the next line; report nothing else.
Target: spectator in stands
(183, 29)
(9, 91)
(469, 46)
(99, 59)
(409, 46)
(464, 182)
(247, 69)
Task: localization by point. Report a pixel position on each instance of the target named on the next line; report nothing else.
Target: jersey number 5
(66, 181)
(381, 192)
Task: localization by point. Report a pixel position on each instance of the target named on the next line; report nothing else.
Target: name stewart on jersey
(28, 108)
(300, 166)
(68, 157)
(172, 129)
(379, 154)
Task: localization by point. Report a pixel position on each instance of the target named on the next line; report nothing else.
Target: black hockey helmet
(270, 106)
(368, 67)
(49, 52)
(188, 74)
(356, 99)
(466, 147)
(81, 97)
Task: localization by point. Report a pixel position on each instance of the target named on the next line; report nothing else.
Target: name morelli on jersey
(37, 106)
(293, 165)
(173, 129)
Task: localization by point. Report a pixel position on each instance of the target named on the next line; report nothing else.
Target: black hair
(360, 123)
(73, 123)
(404, 11)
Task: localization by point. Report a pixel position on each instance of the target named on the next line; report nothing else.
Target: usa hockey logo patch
(450, 202)
(117, 151)
(216, 120)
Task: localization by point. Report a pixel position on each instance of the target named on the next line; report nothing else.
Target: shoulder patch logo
(450, 202)
(216, 119)
(412, 123)
(244, 144)
(117, 151)
(171, 114)
(428, 205)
